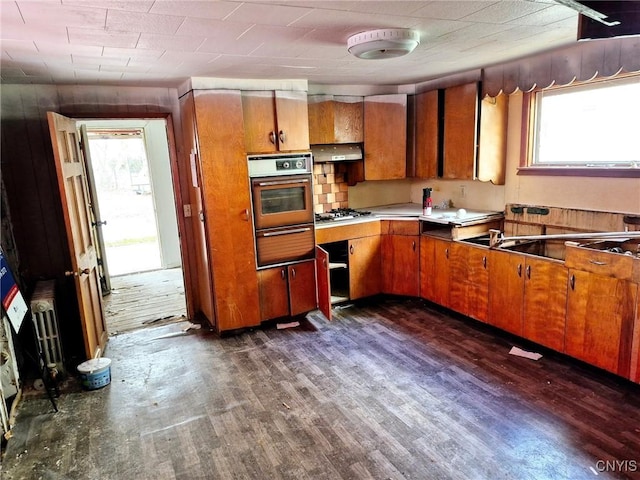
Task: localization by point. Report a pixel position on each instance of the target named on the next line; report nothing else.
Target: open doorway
(134, 205)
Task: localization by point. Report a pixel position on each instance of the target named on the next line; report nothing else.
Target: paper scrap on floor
(523, 353)
(280, 326)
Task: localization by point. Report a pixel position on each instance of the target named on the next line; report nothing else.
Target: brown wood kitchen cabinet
(364, 267)
(287, 290)
(527, 297)
(401, 258)
(335, 119)
(435, 269)
(275, 121)
(222, 221)
(385, 137)
(469, 267)
(459, 136)
(601, 308)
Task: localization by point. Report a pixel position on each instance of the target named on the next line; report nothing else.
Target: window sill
(580, 172)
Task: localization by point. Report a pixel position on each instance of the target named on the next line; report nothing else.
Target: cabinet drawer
(603, 263)
(347, 232)
(400, 227)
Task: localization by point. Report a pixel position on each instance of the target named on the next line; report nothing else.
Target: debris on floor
(523, 353)
(281, 326)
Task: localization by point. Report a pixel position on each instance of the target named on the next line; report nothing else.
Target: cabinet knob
(446, 252)
(283, 273)
(282, 136)
(245, 214)
(572, 282)
(529, 272)
(413, 245)
(293, 273)
(272, 137)
(484, 261)
(351, 249)
(519, 269)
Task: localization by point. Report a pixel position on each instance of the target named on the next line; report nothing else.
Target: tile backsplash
(330, 189)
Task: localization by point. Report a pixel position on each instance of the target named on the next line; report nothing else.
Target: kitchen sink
(481, 240)
(542, 248)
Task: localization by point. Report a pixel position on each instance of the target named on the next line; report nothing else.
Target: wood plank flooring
(141, 299)
(392, 389)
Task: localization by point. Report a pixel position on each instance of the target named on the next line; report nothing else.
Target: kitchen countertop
(413, 211)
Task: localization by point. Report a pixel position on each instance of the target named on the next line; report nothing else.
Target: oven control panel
(279, 164)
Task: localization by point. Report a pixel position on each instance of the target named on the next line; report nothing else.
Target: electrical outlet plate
(187, 210)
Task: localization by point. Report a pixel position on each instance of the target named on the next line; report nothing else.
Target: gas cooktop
(338, 214)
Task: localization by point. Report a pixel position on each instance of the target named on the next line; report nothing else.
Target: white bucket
(95, 373)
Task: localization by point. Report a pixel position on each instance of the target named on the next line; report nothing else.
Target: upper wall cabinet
(457, 136)
(385, 137)
(275, 121)
(335, 119)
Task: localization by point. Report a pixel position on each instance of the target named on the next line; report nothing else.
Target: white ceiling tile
(203, 9)
(448, 10)
(267, 14)
(80, 59)
(19, 47)
(51, 49)
(56, 14)
(169, 42)
(143, 22)
(505, 11)
(213, 29)
(547, 16)
(44, 32)
(137, 53)
(128, 5)
(85, 36)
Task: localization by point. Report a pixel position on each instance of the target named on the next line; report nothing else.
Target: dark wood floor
(390, 390)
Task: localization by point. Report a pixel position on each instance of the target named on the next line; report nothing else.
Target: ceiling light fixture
(385, 43)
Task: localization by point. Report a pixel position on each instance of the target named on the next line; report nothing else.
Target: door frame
(183, 231)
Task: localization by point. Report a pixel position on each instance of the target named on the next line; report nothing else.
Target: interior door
(96, 221)
(74, 195)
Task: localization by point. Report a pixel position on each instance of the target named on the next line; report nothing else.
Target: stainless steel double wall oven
(282, 196)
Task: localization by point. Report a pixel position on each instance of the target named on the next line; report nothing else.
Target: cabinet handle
(283, 136)
(413, 245)
(572, 282)
(293, 273)
(272, 137)
(446, 252)
(484, 262)
(201, 216)
(245, 214)
(595, 262)
(519, 269)
(351, 249)
(529, 272)
(282, 273)
(324, 262)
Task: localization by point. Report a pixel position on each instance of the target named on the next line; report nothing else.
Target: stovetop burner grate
(340, 214)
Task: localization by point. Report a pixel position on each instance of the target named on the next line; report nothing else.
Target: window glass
(594, 125)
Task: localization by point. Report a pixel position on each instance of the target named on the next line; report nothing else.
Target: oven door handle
(284, 232)
(283, 182)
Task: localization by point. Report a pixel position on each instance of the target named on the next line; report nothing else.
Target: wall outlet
(187, 210)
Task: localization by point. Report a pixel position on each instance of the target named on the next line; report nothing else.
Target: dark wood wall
(29, 175)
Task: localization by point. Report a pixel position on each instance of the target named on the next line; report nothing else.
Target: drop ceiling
(163, 42)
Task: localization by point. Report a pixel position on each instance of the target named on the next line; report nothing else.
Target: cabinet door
(506, 291)
(600, 314)
(258, 110)
(321, 119)
(634, 374)
(292, 120)
(545, 300)
(401, 265)
(323, 275)
(460, 114)
(427, 135)
(434, 270)
(302, 288)
(364, 267)
(469, 281)
(492, 154)
(274, 298)
(348, 119)
(385, 137)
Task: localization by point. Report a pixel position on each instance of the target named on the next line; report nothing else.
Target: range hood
(345, 152)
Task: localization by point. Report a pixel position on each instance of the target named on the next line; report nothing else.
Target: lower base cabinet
(470, 281)
(400, 256)
(434, 270)
(287, 290)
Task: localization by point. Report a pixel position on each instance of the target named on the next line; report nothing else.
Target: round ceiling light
(385, 43)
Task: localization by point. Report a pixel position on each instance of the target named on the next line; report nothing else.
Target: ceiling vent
(385, 43)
